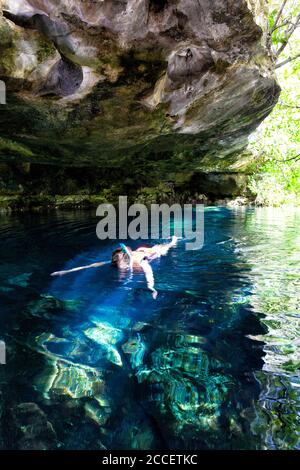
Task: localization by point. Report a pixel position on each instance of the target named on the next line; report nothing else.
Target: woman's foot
(174, 240)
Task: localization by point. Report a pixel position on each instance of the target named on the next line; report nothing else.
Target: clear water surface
(94, 362)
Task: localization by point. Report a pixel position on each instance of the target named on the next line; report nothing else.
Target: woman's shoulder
(144, 248)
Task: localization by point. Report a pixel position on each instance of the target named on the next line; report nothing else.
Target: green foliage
(276, 144)
(282, 26)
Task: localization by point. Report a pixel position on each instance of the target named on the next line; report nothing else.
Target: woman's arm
(149, 277)
(94, 265)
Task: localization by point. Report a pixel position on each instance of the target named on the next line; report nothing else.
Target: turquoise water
(213, 363)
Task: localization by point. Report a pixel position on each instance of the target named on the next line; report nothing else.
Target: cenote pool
(94, 362)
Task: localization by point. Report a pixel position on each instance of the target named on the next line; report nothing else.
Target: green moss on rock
(9, 147)
(8, 48)
(45, 49)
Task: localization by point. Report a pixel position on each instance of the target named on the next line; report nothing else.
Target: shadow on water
(94, 362)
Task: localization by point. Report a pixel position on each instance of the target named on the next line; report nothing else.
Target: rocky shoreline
(34, 187)
(20, 204)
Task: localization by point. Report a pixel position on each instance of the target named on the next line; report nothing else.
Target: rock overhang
(105, 81)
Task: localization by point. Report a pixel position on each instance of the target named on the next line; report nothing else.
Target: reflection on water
(94, 362)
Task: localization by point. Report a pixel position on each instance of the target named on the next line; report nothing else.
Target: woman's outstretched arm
(80, 268)
(149, 277)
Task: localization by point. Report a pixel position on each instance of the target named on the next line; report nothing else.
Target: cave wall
(170, 87)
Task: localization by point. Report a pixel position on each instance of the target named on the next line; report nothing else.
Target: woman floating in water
(125, 258)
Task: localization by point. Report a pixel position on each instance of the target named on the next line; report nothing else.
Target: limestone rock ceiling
(99, 81)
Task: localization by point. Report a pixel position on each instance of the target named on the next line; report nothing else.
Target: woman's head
(120, 259)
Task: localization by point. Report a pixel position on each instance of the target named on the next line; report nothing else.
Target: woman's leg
(163, 249)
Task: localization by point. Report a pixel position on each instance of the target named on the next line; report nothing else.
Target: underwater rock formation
(106, 336)
(29, 428)
(98, 83)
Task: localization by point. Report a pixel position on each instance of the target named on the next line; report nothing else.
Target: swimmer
(125, 258)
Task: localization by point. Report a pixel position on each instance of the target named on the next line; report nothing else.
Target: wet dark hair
(119, 259)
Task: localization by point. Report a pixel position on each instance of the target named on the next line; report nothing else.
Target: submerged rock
(22, 280)
(46, 306)
(106, 336)
(186, 81)
(96, 412)
(74, 381)
(72, 348)
(189, 399)
(29, 428)
(135, 348)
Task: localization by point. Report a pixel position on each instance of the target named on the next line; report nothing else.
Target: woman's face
(120, 259)
(124, 261)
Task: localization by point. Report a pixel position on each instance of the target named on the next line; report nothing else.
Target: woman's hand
(154, 294)
(58, 273)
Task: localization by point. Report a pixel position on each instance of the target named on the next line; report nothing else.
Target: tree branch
(288, 35)
(286, 105)
(279, 15)
(285, 23)
(286, 61)
(296, 158)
